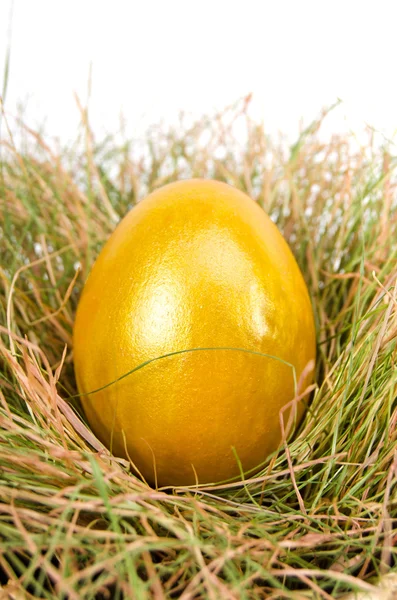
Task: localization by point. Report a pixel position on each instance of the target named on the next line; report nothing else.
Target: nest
(320, 519)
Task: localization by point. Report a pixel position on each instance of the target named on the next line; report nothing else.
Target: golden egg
(197, 266)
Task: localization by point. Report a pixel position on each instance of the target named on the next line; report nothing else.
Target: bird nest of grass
(320, 519)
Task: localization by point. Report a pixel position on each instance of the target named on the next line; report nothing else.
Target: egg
(198, 287)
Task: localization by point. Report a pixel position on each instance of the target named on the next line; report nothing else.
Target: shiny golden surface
(196, 264)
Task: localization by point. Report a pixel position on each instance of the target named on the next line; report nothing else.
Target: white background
(151, 59)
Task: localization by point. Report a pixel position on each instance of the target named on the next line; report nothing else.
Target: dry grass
(320, 520)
